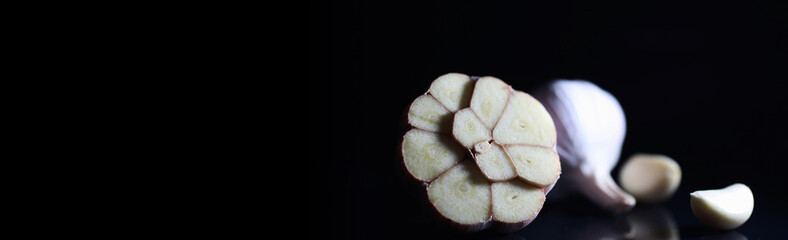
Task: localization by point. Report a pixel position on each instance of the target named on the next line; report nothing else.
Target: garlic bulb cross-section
(485, 151)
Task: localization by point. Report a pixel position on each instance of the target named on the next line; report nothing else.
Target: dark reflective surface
(643, 222)
(571, 218)
(576, 219)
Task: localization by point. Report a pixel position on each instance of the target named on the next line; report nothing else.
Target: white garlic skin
(591, 126)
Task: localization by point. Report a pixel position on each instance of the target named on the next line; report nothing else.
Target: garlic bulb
(591, 128)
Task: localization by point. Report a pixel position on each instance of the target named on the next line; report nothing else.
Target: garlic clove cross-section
(428, 154)
(516, 203)
(485, 152)
(726, 208)
(462, 195)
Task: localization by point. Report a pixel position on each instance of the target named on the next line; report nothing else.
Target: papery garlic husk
(591, 126)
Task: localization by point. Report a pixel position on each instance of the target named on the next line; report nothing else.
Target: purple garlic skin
(590, 127)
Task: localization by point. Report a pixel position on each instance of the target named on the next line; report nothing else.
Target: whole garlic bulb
(590, 125)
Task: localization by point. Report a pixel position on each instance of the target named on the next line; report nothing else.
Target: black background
(699, 81)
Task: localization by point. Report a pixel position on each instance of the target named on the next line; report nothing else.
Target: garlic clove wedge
(726, 208)
(650, 177)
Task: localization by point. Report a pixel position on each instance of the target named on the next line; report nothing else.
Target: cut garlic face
(485, 151)
(650, 177)
(726, 208)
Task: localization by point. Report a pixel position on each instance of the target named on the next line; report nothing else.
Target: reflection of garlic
(591, 128)
(651, 223)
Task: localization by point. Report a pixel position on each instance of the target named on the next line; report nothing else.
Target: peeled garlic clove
(650, 177)
(726, 208)
(590, 124)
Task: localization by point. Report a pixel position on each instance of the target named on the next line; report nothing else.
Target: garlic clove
(468, 129)
(650, 177)
(726, 208)
(535, 164)
(494, 163)
(591, 126)
(462, 195)
(525, 122)
(515, 204)
(453, 90)
(489, 99)
(426, 156)
(427, 113)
